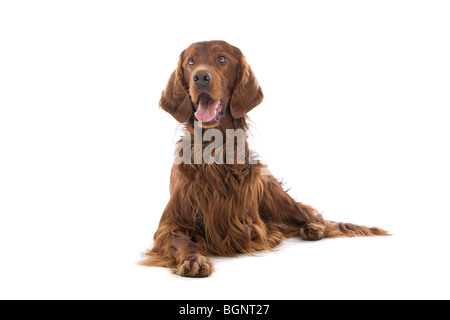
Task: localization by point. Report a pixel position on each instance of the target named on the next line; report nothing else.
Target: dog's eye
(222, 59)
(191, 61)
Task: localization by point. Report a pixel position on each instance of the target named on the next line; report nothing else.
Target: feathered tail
(319, 228)
(341, 229)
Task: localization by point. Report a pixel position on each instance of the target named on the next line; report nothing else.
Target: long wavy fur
(227, 209)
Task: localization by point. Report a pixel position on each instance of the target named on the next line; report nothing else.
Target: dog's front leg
(174, 249)
(190, 262)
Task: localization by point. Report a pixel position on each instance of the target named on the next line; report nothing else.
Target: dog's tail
(341, 229)
(317, 227)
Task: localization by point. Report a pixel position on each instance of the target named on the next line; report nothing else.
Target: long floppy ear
(175, 98)
(247, 93)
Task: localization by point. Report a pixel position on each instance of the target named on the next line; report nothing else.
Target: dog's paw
(195, 266)
(313, 231)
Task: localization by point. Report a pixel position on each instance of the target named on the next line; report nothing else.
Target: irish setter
(225, 208)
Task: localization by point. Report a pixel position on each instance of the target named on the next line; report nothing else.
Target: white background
(355, 120)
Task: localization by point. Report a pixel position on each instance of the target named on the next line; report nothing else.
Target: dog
(219, 208)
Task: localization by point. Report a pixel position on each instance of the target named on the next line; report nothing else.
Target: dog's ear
(247, 93)
(175, 98)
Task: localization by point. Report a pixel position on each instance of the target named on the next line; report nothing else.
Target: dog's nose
(202, 78)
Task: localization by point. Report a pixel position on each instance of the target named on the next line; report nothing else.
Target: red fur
(226, 209)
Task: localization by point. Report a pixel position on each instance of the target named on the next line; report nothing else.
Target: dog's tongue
(206, 109)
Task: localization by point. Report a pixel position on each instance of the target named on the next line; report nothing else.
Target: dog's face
(213, 81)
(210, 69)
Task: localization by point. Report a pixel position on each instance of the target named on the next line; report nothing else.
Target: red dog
(225, 208)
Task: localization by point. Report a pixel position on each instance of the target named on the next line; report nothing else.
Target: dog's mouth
(208, 109)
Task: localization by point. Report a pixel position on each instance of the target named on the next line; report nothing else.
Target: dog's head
(212, 81)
